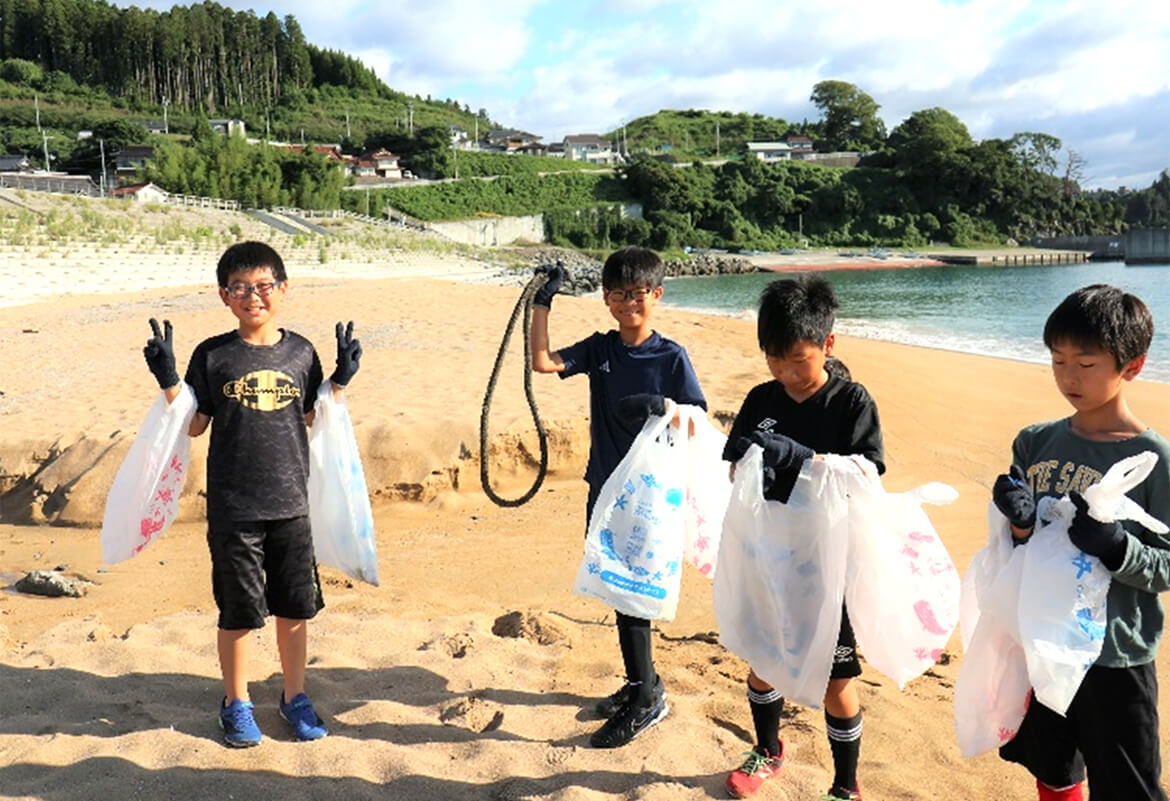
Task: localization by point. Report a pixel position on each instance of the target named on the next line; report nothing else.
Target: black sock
(766, 708)
(634, 639)
(845, 743)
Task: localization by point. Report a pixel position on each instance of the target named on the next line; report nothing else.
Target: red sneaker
(841, 794)
(756, 769)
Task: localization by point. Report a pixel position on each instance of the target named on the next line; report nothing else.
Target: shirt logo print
(604, 366)
(263, 390)
(766, 424)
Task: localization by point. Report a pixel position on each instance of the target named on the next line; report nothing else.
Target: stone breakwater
(585, 272)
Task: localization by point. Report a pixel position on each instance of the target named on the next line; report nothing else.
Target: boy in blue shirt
(256, 387)
(631, 371)
(1098, 337)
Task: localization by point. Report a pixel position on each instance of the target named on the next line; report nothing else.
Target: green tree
(850, 117)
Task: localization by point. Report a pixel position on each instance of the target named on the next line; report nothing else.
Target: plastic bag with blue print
(1063, 590)
(634, 545)
(339, 503)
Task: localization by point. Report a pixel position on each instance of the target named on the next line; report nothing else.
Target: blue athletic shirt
(658, 366)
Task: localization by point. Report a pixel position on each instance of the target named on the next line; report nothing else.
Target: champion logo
(604, 366)
(766, 424)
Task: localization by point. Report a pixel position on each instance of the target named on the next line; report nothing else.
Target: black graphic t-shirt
(257, 397)
(840, 418)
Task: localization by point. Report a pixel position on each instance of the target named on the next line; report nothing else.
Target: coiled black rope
(523, 304)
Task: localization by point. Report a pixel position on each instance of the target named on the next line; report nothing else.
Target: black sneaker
(628, 723)
(611, 705)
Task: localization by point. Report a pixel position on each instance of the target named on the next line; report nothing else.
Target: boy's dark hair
(1102, 316)
(794, 310)
(632, 266)
(246, 256)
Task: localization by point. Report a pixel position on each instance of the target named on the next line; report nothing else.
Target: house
(800, 144)
(459, 138)
(15, 164)
(142, 193)
(555, 150)
(379, 163)
(130, 159)
(770, 152)
(227, 127)
(588, 147)
(155, 126)
(509, 140)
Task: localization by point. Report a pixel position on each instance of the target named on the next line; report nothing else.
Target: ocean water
(993, 311)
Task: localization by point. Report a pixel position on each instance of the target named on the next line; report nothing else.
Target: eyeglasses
(241, 291)
(638, 294)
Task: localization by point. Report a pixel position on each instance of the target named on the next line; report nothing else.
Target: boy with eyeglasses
(256, 387)
(631, 372)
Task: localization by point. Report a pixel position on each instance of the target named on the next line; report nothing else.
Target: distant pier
(1014, 257)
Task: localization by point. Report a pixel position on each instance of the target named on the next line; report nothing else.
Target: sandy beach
(471, 672)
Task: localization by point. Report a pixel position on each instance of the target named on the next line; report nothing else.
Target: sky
(1094, 74)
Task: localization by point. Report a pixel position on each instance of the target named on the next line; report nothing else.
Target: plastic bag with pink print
(708, 490)
(902, 588)
(144, 497)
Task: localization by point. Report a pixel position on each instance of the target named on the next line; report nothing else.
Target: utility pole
(347, 128)
(102, 144)
(166, 102)
(410, 118)
(476, 139)
(37, 105)
(716, 138)
(45, 142)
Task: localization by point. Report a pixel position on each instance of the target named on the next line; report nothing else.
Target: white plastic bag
(781, 577)
(1039, 621)
(992, 688)
(339, 503)
(1063, 591)
(144, 497)
(708, 489)
(633, 549)
(901, 578)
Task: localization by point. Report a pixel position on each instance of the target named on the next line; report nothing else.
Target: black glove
(783, 457)
(160, 355)
(1013, 497)
(349, 354)
(636, 409)
(556, 276)
(1106, 541)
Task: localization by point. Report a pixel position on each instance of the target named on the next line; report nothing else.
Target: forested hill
(202, 57)
(702, 134)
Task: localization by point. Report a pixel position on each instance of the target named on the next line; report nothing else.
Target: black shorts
(846, 665)
(1111, 730)
(262, 568)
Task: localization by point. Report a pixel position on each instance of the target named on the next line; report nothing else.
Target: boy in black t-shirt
(631, 371)
(807, 409)
(256, 387)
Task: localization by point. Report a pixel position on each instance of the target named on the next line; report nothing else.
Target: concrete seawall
(1150, 246)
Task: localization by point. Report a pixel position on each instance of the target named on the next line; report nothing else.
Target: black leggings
(633, 633)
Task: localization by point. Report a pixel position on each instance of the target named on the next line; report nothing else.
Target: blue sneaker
(304, 721)
(239, 727)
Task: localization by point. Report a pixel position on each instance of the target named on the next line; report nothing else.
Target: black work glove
(349, 354)
(160, 355)
(636, 409)
(1013, 497)
(556, 276)
(783, 457)
(1106, 541)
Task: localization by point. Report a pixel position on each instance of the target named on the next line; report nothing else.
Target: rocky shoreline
(585, 271)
